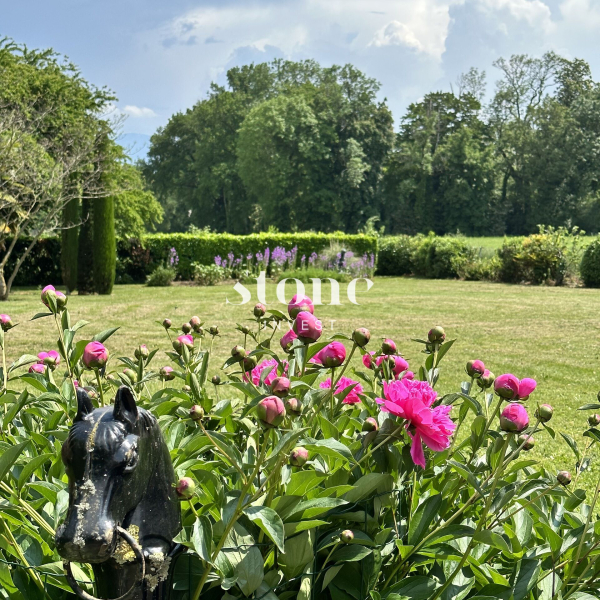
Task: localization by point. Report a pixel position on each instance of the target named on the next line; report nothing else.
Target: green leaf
(315, 507)
(292, 528)
(41, 316)
(270, 522)
(529, 570)
(104, 335)
(298, 554)
(368, 484)
(572, 444)
(443, 350)
(330, 447)
(202, 538)
(422, 518)
(492, 539)
(31, 466)
(9, 457)
(593, 433)
(351, 553)
(415, 588)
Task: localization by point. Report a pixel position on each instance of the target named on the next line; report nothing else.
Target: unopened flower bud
(6, 322)
(280, 386)
(475, 368)
(196, 413)
(486, 380)
(186, 328)
(361, 336)
(185, 488)
(271, 411)
(195, 321)
(198, 329)
(213, 330)
(167, 373)
(514, 418)
(249, 363)
(544, 413)
(346, 536)
(594, 420)
(167, 323)
(61, 301)
(259, 310)
(142, 352)
(293, 407)
(526, 441)
(186, 388)
(299, 456)
(370, 424)
(216, 380)
(564, 477)
(245, 329)
(436, 335)
(238, 352)
(95, 355)
(388, 347)
(130, 374)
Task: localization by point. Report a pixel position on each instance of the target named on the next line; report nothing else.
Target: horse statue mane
(123, 509)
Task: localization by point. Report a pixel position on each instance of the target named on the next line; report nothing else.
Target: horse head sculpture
(123, 509)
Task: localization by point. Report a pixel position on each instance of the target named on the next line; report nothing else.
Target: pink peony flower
(50, 358)
(75, 383)
(507, 386)
(344, 382)
(526, 387)
(95, 355)
(299, 303)
(367, 360)
(307, 326)
(475, 368)
(183, 340)
(408, 375)
(45, 292)
(514, 418)
(332, 355)
(411, 400)
(37, 368)
(167, 373)
(6, 322)
(270, 364)
(271, 411)
(280, 386)
(400, 364)
(287, 340)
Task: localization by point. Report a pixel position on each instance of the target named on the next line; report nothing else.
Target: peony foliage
(317, 467)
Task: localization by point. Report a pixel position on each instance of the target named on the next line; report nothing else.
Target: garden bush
(306, 275)
(590, 264)
(302, 475)
(209, 274)
(161, 277)
(395, 257)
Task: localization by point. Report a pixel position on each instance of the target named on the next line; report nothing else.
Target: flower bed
(311, 468)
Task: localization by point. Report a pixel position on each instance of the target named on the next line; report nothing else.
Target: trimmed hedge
(136, 262)
(590, 264)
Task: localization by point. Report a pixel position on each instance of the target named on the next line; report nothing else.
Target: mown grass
(550, 334)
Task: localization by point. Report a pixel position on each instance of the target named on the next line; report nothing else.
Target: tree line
(295, 146)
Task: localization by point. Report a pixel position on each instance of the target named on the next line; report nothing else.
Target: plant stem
(99, 386)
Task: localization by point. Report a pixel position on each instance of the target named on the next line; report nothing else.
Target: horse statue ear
(84, 404)
(125, 407)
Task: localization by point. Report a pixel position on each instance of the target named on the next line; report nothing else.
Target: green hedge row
(135, 261)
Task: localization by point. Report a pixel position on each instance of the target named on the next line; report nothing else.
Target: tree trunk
(70, 244)
(3, 288)
(85, 256)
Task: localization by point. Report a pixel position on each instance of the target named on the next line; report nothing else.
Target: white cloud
(138, 112)
(396, 34)
(535, 12)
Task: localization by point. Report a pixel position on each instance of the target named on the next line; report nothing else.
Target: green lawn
(551, 334)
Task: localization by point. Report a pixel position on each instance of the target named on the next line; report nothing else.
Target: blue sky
(160, 56)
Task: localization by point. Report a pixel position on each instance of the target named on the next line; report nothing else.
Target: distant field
(549, 333)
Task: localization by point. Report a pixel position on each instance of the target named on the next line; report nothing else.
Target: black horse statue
(123, 510)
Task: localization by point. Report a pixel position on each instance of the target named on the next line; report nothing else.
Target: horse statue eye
(132, 461)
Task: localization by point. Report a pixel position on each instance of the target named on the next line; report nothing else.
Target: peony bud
(544, 413)
(526, 441)
(186, 328)
(300, 303)
(370, 424)
(196, 413)
(48, 292)
(181, 341)
(61, 301)
(95, 355)
(298, 456)
(37, 368)
(287, 340)
(167, 323)
(238, 352)
(514, 418)
(346, 536)
(185, 488)
(167, 373)
(213, 330)
(507, 386)
(361, 336)
(594, 420)
(436, 335)
(475, 368)
(130, 374)
(249, 363)
(526, 387)
(307, 327)
(270, 411)
(564, 477)
(186, 389)
(6, 322)
(198, 329)
(259, 310)
(142, 352)
(245, 329)
(280, 386)
(91, 392)
(486, 380)
(388, 347)
(195, 321)
(50, 359)
(293, 407)
(333, 355)
(216, 380)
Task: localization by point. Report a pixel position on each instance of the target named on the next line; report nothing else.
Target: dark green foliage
(42, 265)
(70, 244)
(105, 249)
(85, 255)
(395, 255)
(161, 277)
(307, 275)
(590, 264)
(440, 257)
